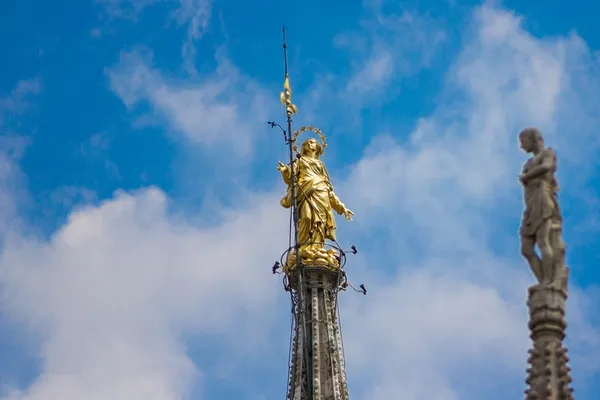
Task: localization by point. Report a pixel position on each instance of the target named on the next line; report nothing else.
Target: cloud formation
(390, 47)
(112, 292)
(223, 110)
(196, 14)
(125, 9)
(13, 141)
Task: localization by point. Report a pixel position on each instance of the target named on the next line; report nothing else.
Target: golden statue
(542, 219)
(316, 201)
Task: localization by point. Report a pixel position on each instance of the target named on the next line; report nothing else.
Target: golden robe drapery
(315, 199)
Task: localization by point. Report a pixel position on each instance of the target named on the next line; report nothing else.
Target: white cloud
(125, 9)
(10, 181)
(375, 73)
(18, 101)
(13, 107)
(384, 51)
(224, 109)
(196, 14)
(423, 334)
(112, 292)
(391, 47)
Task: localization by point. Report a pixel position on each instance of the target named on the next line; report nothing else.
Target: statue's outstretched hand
(348, 214)
(281, 166)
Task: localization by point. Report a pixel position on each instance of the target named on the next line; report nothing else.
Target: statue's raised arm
(286, 172)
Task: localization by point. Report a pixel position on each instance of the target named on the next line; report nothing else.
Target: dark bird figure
(364, 289)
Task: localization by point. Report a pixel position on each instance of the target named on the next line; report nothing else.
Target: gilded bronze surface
(316, 201)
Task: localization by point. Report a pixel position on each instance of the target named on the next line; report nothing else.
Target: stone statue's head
(311, 145)
(530, 138)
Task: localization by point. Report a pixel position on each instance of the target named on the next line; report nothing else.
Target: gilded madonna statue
(316, 201)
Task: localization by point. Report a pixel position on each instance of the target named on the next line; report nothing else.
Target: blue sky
(139, 200)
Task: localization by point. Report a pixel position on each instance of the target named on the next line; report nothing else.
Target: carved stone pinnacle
(549, 374)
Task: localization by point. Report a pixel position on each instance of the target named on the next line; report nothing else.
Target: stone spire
(312, 266)
(326, 373)
(549, 375)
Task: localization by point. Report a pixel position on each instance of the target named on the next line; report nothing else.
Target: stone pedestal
(549, 375)
(327, 376)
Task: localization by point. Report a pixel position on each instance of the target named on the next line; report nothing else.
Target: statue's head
(530, 138)
(311, 146)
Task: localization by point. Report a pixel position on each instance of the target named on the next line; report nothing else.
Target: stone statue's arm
(548, 163)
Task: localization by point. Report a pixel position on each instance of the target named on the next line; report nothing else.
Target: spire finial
(286, 95)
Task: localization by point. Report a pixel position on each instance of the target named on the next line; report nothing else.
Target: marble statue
(542, 218)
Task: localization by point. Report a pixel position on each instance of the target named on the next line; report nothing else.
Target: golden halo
(312, 129)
